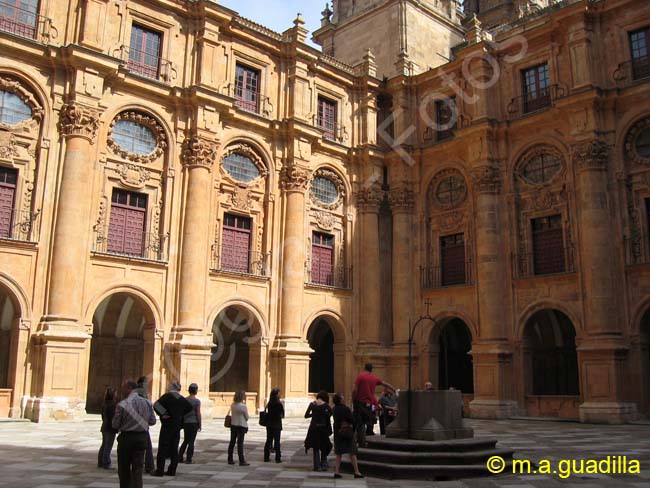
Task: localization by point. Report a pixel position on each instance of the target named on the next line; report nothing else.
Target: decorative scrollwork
(401, 197)
(14, 86)
(295, 178)
(148, 122)
(448, 189)
(133, 175)
(486, 179)
(631, 149)
(77, 120)
(369, 198)
(591, 155)
(199, 152)
(338, 183)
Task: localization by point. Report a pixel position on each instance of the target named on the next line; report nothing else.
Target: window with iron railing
(144, 51)
(446, 118)
(452, 260)
(127, 223)
(19, 17)
(247, 88)
(322, 259)
(327, 116)
(536, 88)
(236, 243)
(549, 255)
(640, 50)
(8, 181)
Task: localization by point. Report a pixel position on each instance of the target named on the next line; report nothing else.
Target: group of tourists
(133, 416)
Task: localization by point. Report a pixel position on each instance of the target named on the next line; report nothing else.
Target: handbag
(346, 430)
(263, 417)
(227, 422)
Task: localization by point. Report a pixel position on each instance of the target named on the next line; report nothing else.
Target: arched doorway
(645, 363)
(8, 314)
(551, 365)
(117, 347)
(321, 361)
(455, 369)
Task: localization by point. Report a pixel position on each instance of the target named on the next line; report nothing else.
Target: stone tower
(406, 36)
(492, 13)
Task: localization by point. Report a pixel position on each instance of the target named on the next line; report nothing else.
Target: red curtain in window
(7, 193)
(126, 230)
(235, 249)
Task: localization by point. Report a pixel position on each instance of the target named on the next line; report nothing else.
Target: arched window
(240, 167)
(541, 168)
(324, 190)
(13, 110)
(451, 191)
(134, 138)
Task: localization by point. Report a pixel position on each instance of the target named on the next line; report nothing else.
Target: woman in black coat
(108, 433)
(320, 429)
(344, 429)
(274, 416)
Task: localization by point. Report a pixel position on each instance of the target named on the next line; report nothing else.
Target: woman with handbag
(274, 413)
(238, 427)
(320, 429)
(344, 436)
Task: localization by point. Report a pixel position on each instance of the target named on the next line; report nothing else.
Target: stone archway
(551, 365)
(321, 361)
(450, 361)
(645, 363)
(117, 348)
(9, 315)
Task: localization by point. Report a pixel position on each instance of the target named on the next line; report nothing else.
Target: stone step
(433, 458)
(438, 472)
(458, 445)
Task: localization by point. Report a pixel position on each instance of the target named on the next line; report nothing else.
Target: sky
(279, 15)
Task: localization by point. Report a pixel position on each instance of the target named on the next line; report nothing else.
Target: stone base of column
(493, 391)
(492, 409)
(51, 409)
(290, 373)
(186, 359)
(608, 413)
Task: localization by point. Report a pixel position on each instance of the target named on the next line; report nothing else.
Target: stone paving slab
(64, 455)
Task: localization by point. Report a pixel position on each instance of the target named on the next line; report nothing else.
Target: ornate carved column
(491, 354)
(290, 351)
(61, 342)
(191, 340)
(368, 202)
(601, 353)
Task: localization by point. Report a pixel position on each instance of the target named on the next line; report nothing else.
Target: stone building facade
(186, 194)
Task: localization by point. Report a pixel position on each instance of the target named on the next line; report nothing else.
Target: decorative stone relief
(486, 179)
(591, 155)
(241, 199)
(199, 152)
(336, 180)
(631, 151)
(8, 149)
(401, 197)
(77, 120)
(133, 175)
(546, 171)
(447, 189)
(14, 86)
(325, 220)
(369, 198)
(147, 121)
(295, 178)
(250, 153)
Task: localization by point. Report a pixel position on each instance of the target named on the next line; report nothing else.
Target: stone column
(290, 351)
(602, 351)
(491, 354)
(191, 340)
(61, 342)
(368, 201)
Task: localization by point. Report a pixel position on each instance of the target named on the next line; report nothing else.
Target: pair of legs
(104, 454)
(149, 464)
(131, 447)
(353, 460)
(272, 441)
(237, 434)
(363, 418)
(170, 436)
(188, 441)
(320, 460)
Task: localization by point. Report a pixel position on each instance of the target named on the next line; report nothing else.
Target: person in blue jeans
(108, 433)
(274, 416)
(191, 425)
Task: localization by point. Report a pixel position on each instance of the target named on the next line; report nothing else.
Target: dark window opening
(640, 46)
(327, 117)
(537, 88)
(247, 88)
(548, 245)
(452, 260)
(236, 243)
(144, 51)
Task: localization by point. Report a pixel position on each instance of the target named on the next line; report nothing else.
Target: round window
(12, 109)
(134, 138)
(324, 190)
(451, 191)
(542, 168)
(642, 143)
(240, 167)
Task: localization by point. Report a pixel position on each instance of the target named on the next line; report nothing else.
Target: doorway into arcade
(9, 316)
(117, 348)
(321, 361)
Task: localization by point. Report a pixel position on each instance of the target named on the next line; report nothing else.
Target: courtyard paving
(62, 455)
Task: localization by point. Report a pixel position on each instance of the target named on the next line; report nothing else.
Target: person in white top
(238, 427)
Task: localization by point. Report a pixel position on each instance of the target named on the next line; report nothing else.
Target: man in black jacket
(171, 408)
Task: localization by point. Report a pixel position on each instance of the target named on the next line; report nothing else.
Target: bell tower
(492, 13)
(406, 36)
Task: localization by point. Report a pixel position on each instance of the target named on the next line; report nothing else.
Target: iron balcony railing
(255, 264)
(633, 70)
(22, 226)
(340, 277)
(25, 23)
(637, 249)
(544, 263)
(146, 65)
(434, 277)
(527, 104)
(147, 246)
(250, 101)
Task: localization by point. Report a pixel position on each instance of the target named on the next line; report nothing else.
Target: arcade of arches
(8, 315)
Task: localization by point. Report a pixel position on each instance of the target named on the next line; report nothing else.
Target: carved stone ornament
(133, 175)
(251, 154)
(295, 178)
(241, 199)
(486, 179)
(77, 120)
(147, 121)
(8, 149)
(338, 182)
(450, 220)
(630, 142)
(14, 86)
(401, 198)
(454, 192)
(199, 152)
(325, 220)
(369, 198)
(591, 155)
(546, 176)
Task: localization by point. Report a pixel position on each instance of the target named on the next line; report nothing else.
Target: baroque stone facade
(254, 213)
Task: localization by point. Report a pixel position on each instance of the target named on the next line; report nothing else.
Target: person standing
(238, 427)
(344, 436)
(191, 424)
(366, 405)
(274, 416)
(320, 429)
(132, 419)
(172, 408)
(388, 411)
(107, 430)
(148, 455)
